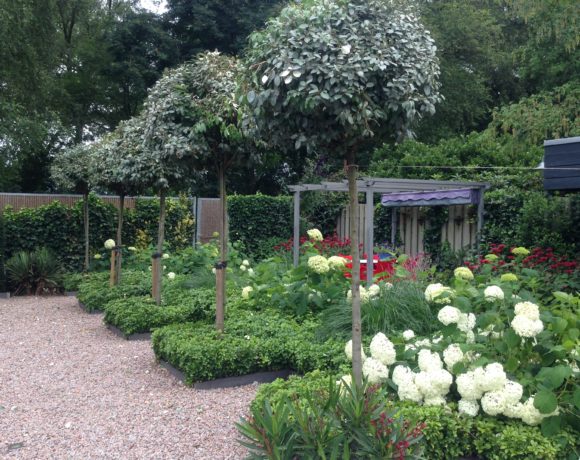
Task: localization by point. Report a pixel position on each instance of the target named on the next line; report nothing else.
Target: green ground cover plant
(253, 341)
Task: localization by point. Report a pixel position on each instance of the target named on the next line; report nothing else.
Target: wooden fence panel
(18, 201)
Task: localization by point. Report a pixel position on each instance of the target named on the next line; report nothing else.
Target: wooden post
(394, 212)
(296, 242)
(480, 211)
(155, 264)
(369, 236)
(113, 265)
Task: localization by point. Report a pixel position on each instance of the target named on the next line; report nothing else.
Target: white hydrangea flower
(409, 392)
(529, 414)
(402, 375)
(466, 322)
(408, 335)
(251, 271)
(348, 351)
(429, 360)
(513, 410)
(315, 234)
(410, 346)
(318, 264)
(463, 273)
(449, 315)
(375, 371)
(441, 380)
(493, 403)
(246, 292)
(469, 337)
(468, 407)
(388, 286)
(246, 262)
(423, 343)
(165, 256)
(374, 290)
(437, 339)
(171, 275)
(423, 381)
(434, 293)
(383, 349)
(214, 271)
(345, 380)
(493, 378)
(526, 327)
(512, 392)
(109, 244)
(243, 268)
(528, 309)
(336, 262)
(493, 293)
(467, 386)
(452, 355)
(435, 401)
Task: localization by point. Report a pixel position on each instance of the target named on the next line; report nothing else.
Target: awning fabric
(431, 198)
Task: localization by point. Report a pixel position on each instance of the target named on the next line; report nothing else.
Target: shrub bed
(256, 342)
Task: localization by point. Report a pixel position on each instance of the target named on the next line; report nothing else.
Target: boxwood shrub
(252, 342)
(94, 291)
(140, 314)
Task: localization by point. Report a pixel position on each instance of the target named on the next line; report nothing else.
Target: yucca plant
(34, 272)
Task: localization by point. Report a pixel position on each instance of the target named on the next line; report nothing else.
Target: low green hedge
(252, 342)
(447, 434)
(94, 291)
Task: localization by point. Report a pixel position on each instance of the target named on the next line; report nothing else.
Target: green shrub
(179, 305)
(251, 343)
(95, 292)
(3, 285)
(72, 281)
(448, 435)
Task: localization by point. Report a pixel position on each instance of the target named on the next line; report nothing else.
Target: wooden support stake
(155, 277)
(113, 264)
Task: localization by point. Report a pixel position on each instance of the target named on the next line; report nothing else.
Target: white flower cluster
(245, 265)
(438, 293)
(315, 234)
(408, 335)
(171, 275)
(383, 350)
(336, 262)
(527, 321)
(449, 315)
(452, 355)
(463, 273)
(246, 292)
(109, 244)
(375, 371)
(493, 293)
(348, 351)
(366, 294)
(318, 264)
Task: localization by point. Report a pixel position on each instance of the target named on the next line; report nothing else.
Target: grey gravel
(71, 389)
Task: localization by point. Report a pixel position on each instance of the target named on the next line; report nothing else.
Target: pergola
(395, 193)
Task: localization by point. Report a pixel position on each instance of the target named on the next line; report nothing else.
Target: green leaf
(551, 425)
(553, 377)
(251, 96)
(512, 364)
(577, 397)
(560, 325)
(511, 338)
(546, 402)
(574, 333)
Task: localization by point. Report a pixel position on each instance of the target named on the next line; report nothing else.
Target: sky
(156, 6)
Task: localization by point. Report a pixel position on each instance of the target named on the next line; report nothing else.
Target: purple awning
(433, 198)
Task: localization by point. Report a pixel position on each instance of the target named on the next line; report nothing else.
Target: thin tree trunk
(86, 223)
(160, 235)
(119, 238)
(352, 170)
(221, 268)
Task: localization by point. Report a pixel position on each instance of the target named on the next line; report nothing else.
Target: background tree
(338, 77)
(72, 170)
(112, 173)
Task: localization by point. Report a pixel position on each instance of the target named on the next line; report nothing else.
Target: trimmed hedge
(259, 222)
(252, 342)
(2, 254)
(94, 292)
(60, 228)
(140, 314)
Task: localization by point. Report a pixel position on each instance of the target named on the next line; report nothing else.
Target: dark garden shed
(562, 164)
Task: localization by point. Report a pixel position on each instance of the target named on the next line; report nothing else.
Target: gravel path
(71, 389)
